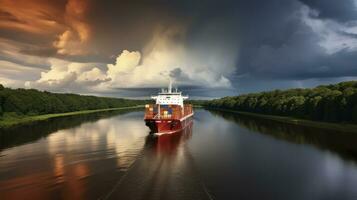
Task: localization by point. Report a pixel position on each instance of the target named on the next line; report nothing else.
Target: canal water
(219, 156)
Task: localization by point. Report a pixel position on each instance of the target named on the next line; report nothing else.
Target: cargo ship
(169, 114)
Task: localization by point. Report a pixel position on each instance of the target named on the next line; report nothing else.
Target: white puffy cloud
(94, 76)
(14, 75)
(69, 76)
(125, 64)
(164, 58)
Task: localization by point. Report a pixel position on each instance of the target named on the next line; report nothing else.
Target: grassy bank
(344, 127)
(9, 121)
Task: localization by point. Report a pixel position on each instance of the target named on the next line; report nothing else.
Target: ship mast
(170, 86)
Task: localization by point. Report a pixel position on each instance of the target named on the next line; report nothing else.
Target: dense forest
(332, 103)
(34, 102)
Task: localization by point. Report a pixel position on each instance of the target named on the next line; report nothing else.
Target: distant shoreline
(343, 127)
(9, 122)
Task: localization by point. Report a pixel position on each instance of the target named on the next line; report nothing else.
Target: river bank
(10, 121)
(343, 127)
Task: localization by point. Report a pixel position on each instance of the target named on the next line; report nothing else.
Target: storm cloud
(211, 48)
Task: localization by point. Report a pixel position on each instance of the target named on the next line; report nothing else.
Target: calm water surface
(220, 156)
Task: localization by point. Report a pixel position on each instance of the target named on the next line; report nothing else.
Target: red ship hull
(168, 126)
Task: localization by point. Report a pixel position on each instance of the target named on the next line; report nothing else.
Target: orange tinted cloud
(34, 16)
(60, 19)
(74, 40)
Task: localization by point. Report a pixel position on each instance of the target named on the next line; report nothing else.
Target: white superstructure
(169, 97)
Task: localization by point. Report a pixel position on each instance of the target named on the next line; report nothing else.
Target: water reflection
(230, 156)
(243, 158)
(15, 136)
(339, 142)
(82, 162)
(165, 170)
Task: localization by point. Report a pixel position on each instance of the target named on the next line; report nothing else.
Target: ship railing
(157, 116)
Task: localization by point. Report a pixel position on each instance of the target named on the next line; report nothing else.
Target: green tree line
(34, 102)
(332, 103)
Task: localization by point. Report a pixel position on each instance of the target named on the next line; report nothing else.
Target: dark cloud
(278, 47)
(336, 10)
(179, 75)
(43, 52)
(128, 25)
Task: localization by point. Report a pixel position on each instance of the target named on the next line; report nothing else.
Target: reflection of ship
(168, 143)
(169, 114)
(164, 170)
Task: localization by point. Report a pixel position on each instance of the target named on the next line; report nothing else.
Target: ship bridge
(169, 97)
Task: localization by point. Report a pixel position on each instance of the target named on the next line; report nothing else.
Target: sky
(210, 49)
